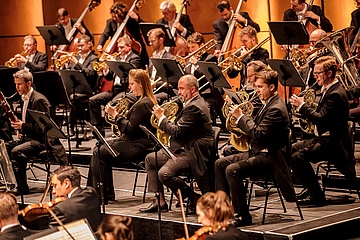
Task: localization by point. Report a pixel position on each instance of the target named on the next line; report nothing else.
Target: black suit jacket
(325, 24)
(132, 27)
(270, 130)
(39, 63)
(83, 203)
(72, 22)
(332, 115)
(15, 233)
(221, 28)
(355, 21)
(184, 21)
(192, 132)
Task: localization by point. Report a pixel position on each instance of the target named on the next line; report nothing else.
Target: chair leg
(171, 199)
(265, 205)
(31, 166)
(299, 210)
(135, 181)
(145, 187)
(281, 199)
(250, 192)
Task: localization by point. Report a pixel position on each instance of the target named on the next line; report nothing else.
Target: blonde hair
(119, 226)
(8, 207)
(140, 76)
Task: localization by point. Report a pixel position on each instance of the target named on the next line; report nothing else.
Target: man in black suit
(355, 22)
(184, 27)
(221, 26)
(10, 229)
(118, 12)
(332, 140)
(80, 202)
(299, 11)
(32, 139)
(32, 60)
(119, 86)
(268, 134)
(192, 143)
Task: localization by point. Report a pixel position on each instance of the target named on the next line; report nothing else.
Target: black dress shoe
(313, 202)
(154, 208)
(303, 194)
(241, 221)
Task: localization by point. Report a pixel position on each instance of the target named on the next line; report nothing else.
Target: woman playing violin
(215, 210)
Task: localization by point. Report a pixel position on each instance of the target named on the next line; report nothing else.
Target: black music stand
(158, 146)
(112, 151)
(7, 84)
(146, 27)
(233, 96)
(121, 69)
(56, 93)
(76, 85)
(52, 35)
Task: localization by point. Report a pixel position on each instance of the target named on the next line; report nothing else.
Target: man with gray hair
(191, 140)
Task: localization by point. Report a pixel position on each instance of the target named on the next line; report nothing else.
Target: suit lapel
(263, 109)
(321, 103)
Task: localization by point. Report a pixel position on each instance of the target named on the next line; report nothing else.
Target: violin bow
(46, 191)
(58, 221)
(183, 214)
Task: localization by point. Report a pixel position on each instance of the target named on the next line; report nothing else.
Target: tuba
(337, 44)
(122, 107)
(7, 176)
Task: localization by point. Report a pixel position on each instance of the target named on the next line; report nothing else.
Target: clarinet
(7, 108)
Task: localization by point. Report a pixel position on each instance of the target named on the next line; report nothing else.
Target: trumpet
(63, 59)
(197, 53)
(12, 62)
(99, 66)
(234, 62)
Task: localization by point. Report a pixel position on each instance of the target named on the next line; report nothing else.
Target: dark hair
(24, 74)
(329, 64)
(68, 172)
(196, 37)
(269, 76)
(8, 207)
(62, 12)
(257, 65)
(120, 9)
(221, 6)
(120, 227)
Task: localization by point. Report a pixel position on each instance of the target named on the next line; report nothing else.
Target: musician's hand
(74, 60)
(239, 18)
(178, 26)
(21, 59)
(217, 52)
(158, 111)
(80, 28)
(193, 60)
(227, 99)
(111, 111)
(100, 48)
(53, 48)
(133, 15)
(312, 15)
(236, 111)
(19, 134)
(17, 125)
(296, 101)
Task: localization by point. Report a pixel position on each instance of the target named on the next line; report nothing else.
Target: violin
(200, 234)
(37, 210)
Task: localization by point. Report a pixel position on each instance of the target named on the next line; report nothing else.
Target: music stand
(7, 84)
(146, 27)
(121, 69)
(233, 96)
(52, 35)
(214, 74)
(112, 151)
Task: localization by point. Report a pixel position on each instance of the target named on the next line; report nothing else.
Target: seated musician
(66, 23)
(118, 13)
(10, 227)
(355, 22)
(116, 228)
(191, 140)
(221, 26)
(184, 27)
(79, 203)
(120, 83)
(214, 210)
(248, 37)
(156, 38)
(268, 134)
(32, 60)
(299, 12)
(133, 143)
(331, 141)
(32, 139)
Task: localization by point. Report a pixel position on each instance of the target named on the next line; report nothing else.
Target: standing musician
(299, 12)
(268, 134)
(133, 143)
(118, 13)
(120, 83)
(248, 37)
(31, 59)
(355, 22)
(332, 140)
(214, 210)
(184, 27)
(221, 26)
(32, 139)
(10, 227)
(66, 23)
(191, 140)
(80, 202)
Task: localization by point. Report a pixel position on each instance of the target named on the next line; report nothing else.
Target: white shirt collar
(25, 97)
(9, 226)
(324, 89)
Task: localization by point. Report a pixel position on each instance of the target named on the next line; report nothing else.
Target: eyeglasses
(28, 44)
(318, 73)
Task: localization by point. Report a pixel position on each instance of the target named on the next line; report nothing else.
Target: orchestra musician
(268, 134)
(116, 228)
(331, 141)
(10, 227)
(80, 202)
(133, 142)
(355, 22)
(32, 60)
(191, 141)
(214, 210)
(119, 86)
(316, 16)
(32, 139)
(118, 13)
(66, 23)
(221, 25)
(184, 27)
